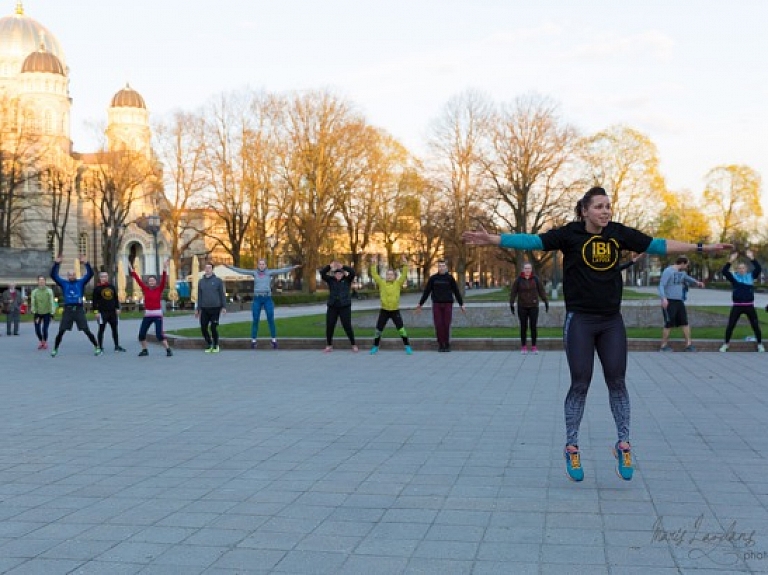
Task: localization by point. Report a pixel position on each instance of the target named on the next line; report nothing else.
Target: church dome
(20, 36)
(42, 61)
(128, 98)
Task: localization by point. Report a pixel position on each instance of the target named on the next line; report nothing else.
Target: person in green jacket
(43, 307)
(389, 287)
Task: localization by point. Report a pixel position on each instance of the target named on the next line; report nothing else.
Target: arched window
(82, 244)
(48, 122)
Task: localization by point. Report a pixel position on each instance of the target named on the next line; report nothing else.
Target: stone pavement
(296, 462)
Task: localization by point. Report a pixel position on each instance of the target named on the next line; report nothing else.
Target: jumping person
(107, 307)
(43, 306)
(153, 309)
(211, 303)
(591, 248)
(74, 313)
(672, 289)
(743, 297)
(527, 290)
(389, 288)
(442, 287)
(262, 297)
(339, 279)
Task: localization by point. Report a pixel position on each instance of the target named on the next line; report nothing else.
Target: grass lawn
(313, 326)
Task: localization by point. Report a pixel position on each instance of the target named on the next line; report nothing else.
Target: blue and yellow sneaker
(624, 468)
(573, 463)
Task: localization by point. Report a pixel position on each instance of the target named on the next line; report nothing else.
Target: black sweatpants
(331, 318)
(733, 319)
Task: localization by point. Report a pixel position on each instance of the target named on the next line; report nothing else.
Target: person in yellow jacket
(389, 288)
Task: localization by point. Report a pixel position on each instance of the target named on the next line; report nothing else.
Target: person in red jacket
(153, 309)
(527, 290)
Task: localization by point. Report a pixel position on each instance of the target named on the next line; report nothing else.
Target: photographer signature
(705, 543)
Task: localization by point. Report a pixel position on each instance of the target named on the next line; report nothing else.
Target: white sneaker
(724, 347)
(760, 348)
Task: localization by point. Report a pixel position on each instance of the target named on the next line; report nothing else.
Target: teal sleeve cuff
(521, 241)
(658, 247)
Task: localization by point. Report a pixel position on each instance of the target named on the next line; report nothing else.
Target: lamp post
(153, 227)
(272, 243)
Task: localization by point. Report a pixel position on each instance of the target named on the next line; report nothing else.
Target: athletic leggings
(528, 315)
(108, 318)
(209, 317)
(749, 311)
(332, 316)
(582, 336)
(42, 321)
(384, 316)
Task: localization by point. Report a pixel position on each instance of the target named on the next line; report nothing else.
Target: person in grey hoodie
(262, 297)
(211, 303)
(673, 280)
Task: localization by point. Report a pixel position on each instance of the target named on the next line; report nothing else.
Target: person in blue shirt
(73, 290)
(743, 297)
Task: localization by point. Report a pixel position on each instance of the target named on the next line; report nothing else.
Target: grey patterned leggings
(582, 336)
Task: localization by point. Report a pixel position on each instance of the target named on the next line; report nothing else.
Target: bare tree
(455, 142)
(626, 163)
(527, 155)
(732, 200)
(321, 155)
(59, 192)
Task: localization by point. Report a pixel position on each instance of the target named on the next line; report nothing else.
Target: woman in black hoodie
(339, 279)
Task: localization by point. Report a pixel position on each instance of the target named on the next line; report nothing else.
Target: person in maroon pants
(443, 288)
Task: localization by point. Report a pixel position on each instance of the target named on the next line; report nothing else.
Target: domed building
(35, 105)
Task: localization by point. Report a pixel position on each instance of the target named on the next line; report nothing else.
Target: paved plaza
(298, 462)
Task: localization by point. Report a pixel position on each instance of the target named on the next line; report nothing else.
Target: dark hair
(681, 260)
(586, 200)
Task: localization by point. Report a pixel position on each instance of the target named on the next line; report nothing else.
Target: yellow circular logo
(600, 254)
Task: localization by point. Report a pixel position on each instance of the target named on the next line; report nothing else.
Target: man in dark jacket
(211, 303)
(339, 279)
(743, 297)
(107, 307)
(443, 288)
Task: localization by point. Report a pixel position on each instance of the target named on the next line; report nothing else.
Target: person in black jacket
(106, 305)
(442, 287)
(743, 297)
(527, 290)
(339, 279)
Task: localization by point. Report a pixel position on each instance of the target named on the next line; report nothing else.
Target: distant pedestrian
(73, 290)
(442, 288)
(672, 289)
(43, 307)
(743, 297)
(153, 309)
(211, 303)
(389, 289)
(527, 290)
(262, 298)
(339, 279)
(106, 305)
(12, 301)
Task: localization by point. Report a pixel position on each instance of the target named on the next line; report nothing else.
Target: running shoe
(724, 348)
(524, 350)
(408, 350)
(328, 349)
(168, 352)
(573, 464)
(760, 348)
(119, 348)
(143, 353)
(690, 348)
(274, 344)
(666, 348)
(374, 349)
(41, 345)
(447, 348)
(97, 351)
(623, 457)
(355, 349)
(534, 350)
(254, 343)
(209, 349)
(214, 349)
(55, 352)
